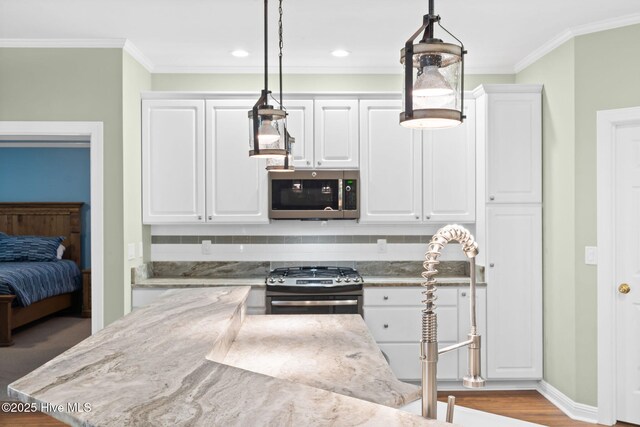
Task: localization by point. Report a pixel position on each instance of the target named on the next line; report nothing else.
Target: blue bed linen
(34, 281)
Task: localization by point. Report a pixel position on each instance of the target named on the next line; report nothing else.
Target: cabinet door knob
(210, 217)
(386, 325)
(319, 163)
(417, 217)
(199, 217)
(492, 197)
(428, 217)
(464, 294)
(385, 297)
(308, 162)
(491, 265)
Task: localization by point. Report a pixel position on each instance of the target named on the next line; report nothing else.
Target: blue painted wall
(49, 175)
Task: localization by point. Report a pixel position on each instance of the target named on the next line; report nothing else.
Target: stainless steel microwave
(314, 194)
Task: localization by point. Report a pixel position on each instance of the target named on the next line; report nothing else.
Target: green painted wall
(600, 85)
(302, 82)
(556, 71)
(76, 85)
(578, 83)
(135, 79)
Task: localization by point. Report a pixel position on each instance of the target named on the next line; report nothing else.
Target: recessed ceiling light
(239, 53)
(340, 53)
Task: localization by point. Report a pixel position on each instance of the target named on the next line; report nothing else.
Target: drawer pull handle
(385, 297)
(386, 325)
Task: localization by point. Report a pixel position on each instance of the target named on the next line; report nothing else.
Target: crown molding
(570, 33)
(137, 54)
(64, 43)
(506, 88)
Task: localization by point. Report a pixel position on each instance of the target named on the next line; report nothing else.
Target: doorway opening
(75, 134)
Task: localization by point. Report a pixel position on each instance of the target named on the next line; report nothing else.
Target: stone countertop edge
(373, 281)
(154, 367)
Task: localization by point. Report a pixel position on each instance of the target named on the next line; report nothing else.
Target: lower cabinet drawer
(404, 324)
(404, 359)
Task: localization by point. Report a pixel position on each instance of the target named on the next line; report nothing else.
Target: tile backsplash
(243, 239)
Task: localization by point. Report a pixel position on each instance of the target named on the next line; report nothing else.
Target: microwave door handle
(340, 194)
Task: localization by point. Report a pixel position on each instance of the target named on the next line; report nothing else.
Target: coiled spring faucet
(429, 343)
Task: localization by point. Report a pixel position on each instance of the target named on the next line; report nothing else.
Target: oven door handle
(315, 303)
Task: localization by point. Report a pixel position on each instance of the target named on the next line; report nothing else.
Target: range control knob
(347, 188)
(356, 279)
(338, 280)
(281, 280)
(347, 280)
(272, 280)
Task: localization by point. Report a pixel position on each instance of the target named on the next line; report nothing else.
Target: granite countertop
(335, 353)
(369, 281)
(156, 366)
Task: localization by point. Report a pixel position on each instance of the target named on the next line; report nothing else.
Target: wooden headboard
(45, 219)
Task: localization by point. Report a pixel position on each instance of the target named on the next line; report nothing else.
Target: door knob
(624, 288)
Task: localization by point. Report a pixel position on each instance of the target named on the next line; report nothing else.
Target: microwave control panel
(350, 191)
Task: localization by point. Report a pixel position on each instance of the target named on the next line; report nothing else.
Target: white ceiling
(198, 35)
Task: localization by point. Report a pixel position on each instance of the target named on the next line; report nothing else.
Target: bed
(26, 305)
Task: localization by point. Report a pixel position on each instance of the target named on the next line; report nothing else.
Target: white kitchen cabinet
(173, 165)
(336, 133)
(236, 183)
(449, 173)
(514, 298)
(393, 315)
(512, 130)
(300, 125)
(390, 165)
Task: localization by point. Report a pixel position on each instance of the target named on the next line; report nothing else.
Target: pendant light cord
(281, 44)
(266, 47)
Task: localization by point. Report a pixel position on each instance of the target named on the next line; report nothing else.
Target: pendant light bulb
(267, 134)
(430, 82)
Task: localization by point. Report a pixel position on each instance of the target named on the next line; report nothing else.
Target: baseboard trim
(456, 385)
(574, 410)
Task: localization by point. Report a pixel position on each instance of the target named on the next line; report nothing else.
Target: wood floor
(523, 405)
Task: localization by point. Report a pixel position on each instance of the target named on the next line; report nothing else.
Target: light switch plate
(591, 255)
(382, 245)
(206, 247)
(131, 250)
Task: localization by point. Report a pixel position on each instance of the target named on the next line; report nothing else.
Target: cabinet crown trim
(507, 88)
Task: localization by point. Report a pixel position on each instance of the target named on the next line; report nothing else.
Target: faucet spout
(429, 342)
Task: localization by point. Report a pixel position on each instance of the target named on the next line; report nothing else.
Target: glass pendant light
(285, 163)
(266, 123)
(434, 78)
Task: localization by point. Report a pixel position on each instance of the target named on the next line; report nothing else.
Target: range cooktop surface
(316, 277)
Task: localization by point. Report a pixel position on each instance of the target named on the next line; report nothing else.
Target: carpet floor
(38, 343)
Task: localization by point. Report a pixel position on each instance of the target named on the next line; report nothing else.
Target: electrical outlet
(131, 247)
(382, 245)
(206, 247)
(591, 255)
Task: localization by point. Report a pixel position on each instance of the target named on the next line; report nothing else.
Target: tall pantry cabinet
(509, 226)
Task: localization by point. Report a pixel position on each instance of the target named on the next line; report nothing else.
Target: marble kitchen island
(164, 364)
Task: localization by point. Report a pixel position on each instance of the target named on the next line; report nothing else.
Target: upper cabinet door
(336, 134)
(173, 161)
(514, 147)
(236, 183)
(391, 160)
(450, 172)
(300, 124)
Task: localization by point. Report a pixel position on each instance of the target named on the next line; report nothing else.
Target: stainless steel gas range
(314, 290)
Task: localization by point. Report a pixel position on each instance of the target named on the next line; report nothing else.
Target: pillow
(60, 251)
(29, 248)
